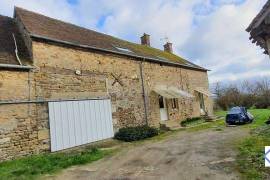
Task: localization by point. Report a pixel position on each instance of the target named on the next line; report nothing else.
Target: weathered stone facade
(126, 96)
(24, 127)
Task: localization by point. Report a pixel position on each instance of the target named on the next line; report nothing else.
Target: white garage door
(74, 123)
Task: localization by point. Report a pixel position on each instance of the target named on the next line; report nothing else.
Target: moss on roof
(44, 26)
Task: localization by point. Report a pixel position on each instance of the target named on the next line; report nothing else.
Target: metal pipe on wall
(45, 101)
(13, 66)
(144, 94)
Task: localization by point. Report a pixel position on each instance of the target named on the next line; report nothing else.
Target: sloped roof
(40, 26)
(7, 45)
(258, 29)
(260, 17)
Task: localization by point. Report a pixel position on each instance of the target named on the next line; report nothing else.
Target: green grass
(251, 155)
(197, 124)
(217, 125)
(221, 113)
(250, 159)
(32, 167)
(192, 122)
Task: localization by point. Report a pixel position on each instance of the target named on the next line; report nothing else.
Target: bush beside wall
(129, 134)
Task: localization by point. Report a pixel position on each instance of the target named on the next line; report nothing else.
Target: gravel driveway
(208, 154)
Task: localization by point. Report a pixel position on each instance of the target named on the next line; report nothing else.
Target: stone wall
(126, 95)
(16, 123)
(65, 73)
(185, 79)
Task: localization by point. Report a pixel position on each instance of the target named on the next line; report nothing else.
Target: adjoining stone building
(54, 73)
(259, 28)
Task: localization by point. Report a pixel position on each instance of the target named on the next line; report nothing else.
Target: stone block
(4, 140)
(43, 134)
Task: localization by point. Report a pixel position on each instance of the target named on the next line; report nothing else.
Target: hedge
(129, 134)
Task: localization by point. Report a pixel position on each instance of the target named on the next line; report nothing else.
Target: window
(174, 103)
(202, 106)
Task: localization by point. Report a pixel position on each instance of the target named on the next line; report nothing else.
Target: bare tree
(246, 94)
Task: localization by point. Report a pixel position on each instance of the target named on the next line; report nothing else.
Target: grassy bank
(251, 154)
(34, 166)
(250, 159)
(216, 125)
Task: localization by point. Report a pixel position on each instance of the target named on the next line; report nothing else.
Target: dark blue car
(238, 115)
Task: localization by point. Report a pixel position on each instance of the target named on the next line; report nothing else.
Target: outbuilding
(259, 28)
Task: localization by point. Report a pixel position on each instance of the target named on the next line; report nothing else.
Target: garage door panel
(84, 122)
(71, 129)
(93, 120)
(97, 115)
(103, 127)
(52, 126)
(74, 123)
(57, 124)
(64, 124)
(109, 117)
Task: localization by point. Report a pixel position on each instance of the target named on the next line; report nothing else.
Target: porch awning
(203, 91)
(172, 92)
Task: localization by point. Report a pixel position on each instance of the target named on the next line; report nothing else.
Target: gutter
(150, 59)
(46, 101)
(13, 66)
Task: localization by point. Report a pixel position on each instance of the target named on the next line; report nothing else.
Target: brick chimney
(168, 47)
(145, 39)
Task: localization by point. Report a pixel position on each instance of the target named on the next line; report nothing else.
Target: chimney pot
(145, 39)
(168, 47)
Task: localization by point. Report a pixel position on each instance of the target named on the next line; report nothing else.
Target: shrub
(129, 134)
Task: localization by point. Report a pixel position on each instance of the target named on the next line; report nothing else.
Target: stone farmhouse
(63, 86)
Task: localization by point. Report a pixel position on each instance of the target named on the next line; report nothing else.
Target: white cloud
(59, 9)
(211, 33)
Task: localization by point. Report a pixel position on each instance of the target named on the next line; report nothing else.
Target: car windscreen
(236, 110)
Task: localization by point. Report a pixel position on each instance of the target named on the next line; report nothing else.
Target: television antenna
(165, 39)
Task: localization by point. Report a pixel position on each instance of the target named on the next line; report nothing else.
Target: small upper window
(123, 49)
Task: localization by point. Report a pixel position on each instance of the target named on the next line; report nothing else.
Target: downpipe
(144, 95)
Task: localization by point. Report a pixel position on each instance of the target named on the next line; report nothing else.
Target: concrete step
(171, 125)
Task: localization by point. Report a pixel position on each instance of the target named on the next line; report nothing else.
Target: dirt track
(201, 155)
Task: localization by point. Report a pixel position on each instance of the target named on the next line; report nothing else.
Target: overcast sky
(210, 33)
